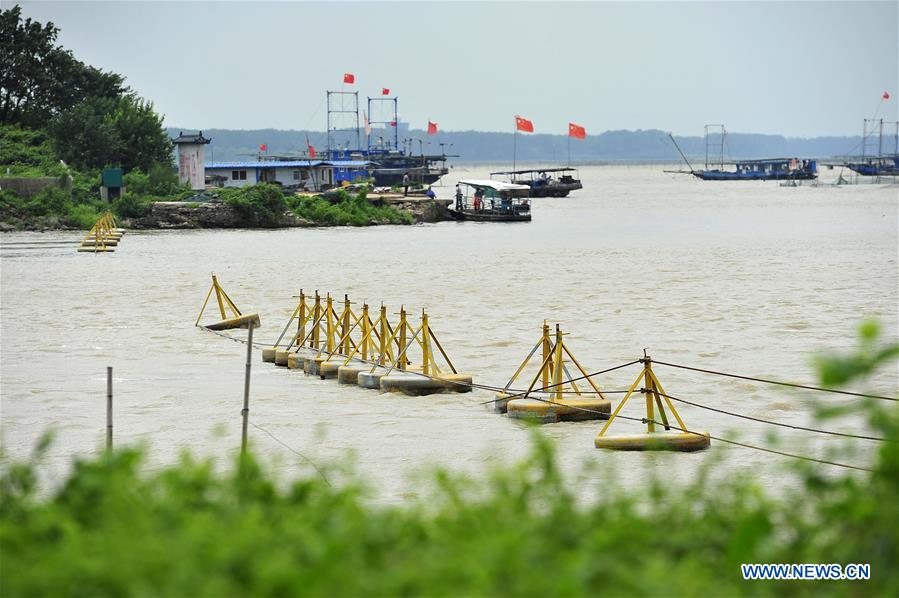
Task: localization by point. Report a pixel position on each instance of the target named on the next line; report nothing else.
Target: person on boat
(430, 193)
(458, 197)
(478, 196)
(406, 184)
(543, 178)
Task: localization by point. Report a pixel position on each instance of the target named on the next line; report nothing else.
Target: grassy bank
(265, 206)
(116, 527)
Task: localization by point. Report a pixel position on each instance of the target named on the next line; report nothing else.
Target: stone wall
(31, 186)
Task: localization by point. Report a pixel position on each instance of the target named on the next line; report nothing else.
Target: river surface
(752, 278)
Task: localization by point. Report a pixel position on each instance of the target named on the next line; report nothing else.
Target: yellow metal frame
(223, 300)
(552, 369)
(423, 335)
(655, 395)
(103, 230)
(381, 332)
(302, 315)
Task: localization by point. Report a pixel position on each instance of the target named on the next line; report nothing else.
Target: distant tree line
(649, 145)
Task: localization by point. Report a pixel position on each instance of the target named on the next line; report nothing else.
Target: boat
(874, 161)
(387, 162)
(763, 169)
(493, 201)
(878, 166)
(542, 182)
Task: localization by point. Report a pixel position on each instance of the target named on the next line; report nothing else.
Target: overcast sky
(798, 69)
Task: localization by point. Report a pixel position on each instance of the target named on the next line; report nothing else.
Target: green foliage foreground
(114, 528)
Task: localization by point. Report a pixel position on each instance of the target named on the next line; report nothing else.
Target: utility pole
(246, 392)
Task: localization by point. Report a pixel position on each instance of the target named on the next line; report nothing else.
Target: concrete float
(500, 401)
(570, 410)
(371, 379)
(349, 373)
(658, 441)
(281, 356)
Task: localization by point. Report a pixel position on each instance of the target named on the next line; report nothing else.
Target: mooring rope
(769, 422)
(777, 382)
(295, 452)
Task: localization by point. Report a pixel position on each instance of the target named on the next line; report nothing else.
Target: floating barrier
(353, 349)
(583, 405)
(103, 236)
(680, 440)
(432, 379)
(238, 320)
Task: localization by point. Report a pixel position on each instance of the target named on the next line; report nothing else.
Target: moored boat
(492, 201)
(543, 183)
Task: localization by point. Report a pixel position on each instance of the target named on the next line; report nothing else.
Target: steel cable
(777, 382)
(769, 422)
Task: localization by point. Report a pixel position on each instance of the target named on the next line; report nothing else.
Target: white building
(192, 159)
(309, 175)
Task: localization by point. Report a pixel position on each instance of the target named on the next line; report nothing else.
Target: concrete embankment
(176, 214)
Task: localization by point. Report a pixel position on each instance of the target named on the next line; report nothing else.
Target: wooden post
(245, 412)
(108, 409)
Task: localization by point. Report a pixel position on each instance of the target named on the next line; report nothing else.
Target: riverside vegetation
(116, 527)
(265, 205)
(64, 119)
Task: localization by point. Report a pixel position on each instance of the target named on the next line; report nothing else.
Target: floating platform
(95, 249)
(657, 441)
(571, 410)
(268, 354)
(415, 384)
(238, 322)
(411, 384)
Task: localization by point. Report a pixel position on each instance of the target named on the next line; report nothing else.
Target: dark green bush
(160, 181)
(131, 205)
(82, 216)
(261, 205)
(339, 208)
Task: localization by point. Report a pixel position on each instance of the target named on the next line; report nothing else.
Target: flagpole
(514, 148)
(569, 149)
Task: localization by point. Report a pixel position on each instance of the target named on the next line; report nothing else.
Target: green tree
(39, 79)
(142, 136)
(100, 131)
(84, 136)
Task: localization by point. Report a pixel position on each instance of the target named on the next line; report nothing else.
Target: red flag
(523, 124)
(886, 95)
(311, 151)
(349, 78)
(392, 123)
(385, 91)
(432, 128)
(577, 131)
(262, 147)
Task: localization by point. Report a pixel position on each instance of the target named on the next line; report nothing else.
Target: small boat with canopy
(545, 182)
(493, 201)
